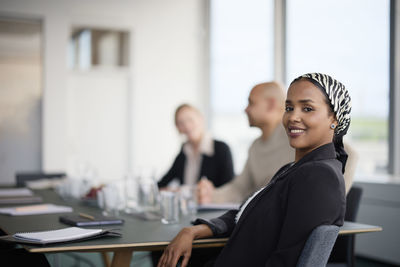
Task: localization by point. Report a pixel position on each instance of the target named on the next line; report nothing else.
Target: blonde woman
(200, 155)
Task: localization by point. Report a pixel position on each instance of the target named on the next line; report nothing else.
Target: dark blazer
(217, 168)
(275, 225)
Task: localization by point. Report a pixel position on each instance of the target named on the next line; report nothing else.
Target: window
(350, 41)
(241, 55)
(89, 48)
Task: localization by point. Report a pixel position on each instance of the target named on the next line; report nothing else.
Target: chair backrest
(343, 251)
(353, 200)
(318, 246)
(22, 177)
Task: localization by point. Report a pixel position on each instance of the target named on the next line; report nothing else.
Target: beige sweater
(265, 157)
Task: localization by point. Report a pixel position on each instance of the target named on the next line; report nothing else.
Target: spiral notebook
(57, 236)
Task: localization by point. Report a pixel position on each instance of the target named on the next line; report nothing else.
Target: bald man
(269, 152)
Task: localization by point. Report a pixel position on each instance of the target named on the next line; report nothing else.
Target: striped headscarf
(340, 102)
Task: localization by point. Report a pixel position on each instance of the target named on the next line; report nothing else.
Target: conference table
(137, 234)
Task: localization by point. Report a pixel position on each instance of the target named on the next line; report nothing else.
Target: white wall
(97, 124)
(167, 67)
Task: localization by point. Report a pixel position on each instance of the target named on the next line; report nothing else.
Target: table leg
(106, 259)
(122, 258)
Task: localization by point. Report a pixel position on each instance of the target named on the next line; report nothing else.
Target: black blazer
(275, 225)
(217, 168)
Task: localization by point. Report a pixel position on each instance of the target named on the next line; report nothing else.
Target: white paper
(35, 209)
(44, 183)
(66, 234)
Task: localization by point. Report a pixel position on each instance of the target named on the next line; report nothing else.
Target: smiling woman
(338, 100)
(307, 117)
(271, 228)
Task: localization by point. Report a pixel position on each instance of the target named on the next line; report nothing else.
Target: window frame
(394, 89)
(394, 72)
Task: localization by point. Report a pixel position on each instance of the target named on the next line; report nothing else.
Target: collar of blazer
(323, 152)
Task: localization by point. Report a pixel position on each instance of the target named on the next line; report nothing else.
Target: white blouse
(243, 207)
(194, 160)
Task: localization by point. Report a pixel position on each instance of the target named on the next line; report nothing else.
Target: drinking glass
(188, 199)
(148, 195)
(112, 199)
(169, 207)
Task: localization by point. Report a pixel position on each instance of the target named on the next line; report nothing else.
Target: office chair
(22, 177)
(343, 251)
(318, 246)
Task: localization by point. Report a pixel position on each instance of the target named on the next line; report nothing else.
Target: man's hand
(205, 191)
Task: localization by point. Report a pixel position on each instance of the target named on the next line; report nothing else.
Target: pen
(86, 216)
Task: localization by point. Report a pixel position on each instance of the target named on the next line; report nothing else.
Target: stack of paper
(61, 235)
(18, 196)
(56, 236)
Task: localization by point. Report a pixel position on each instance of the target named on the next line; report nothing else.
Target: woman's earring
(333, 126)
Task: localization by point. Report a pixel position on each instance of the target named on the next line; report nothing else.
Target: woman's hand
(181, 245)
